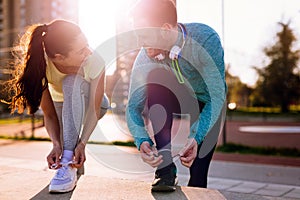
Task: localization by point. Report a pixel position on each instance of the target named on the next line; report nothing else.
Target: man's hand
(79, 155)
(53, 158)
(149, 155)
(189, 153)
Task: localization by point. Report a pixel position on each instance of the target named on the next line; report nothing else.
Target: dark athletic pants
(165, 96)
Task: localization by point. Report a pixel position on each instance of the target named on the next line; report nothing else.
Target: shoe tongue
(61, 171)
(65, 160)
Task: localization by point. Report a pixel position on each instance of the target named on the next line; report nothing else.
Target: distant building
(117, 85)
(15, 15)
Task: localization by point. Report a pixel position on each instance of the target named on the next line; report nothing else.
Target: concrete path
(24, 175)
(118, 173)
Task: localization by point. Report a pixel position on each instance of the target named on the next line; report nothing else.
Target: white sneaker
(64, 180)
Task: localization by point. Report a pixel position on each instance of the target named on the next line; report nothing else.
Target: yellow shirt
(92, 69)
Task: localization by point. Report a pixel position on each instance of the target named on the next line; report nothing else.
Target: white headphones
(175, 50)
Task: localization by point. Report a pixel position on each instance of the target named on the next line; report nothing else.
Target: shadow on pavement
(44, 194)
(178, 194)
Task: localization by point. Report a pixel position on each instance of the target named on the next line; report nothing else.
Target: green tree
(238, 92)
(278, 83)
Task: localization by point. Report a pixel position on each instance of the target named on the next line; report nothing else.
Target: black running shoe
(165, 179)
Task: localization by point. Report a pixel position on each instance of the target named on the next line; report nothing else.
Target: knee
(69, 80)
(68, 84)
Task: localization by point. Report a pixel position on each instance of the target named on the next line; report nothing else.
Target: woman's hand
(149, 155)
(53, 158)
(189, 153)
(79, 155)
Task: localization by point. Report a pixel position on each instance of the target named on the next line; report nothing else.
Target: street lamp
(231, 106)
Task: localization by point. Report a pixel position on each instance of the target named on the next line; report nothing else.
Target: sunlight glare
(97, 19)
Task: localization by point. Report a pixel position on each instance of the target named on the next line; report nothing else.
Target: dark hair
(155, 11)
(30, 79)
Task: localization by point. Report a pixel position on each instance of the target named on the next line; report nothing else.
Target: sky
(247, 27)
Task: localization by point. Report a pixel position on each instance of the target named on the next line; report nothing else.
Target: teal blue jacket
(201, 63)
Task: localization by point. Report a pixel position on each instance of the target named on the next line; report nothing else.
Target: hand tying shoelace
(177, 155)
(54, 166)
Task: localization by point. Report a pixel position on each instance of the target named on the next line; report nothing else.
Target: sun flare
(97, 20)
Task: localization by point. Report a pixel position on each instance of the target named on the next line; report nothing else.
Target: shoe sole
(61, 188)
(163, 188)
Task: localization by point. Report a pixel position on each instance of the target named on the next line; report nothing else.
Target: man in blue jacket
(179, 70)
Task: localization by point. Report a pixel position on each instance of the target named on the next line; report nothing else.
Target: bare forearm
(50, 117)
(52, 127)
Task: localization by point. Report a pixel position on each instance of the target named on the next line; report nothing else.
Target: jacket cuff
(139, 141)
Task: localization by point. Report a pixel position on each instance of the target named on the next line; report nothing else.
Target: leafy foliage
(278, 83)
(237, 148)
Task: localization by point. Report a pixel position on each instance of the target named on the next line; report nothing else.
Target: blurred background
(261, 43)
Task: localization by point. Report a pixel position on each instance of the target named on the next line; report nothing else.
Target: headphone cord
(175, 64)
(177, 71)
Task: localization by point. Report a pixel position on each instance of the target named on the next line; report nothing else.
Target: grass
(258, 116)
(249, 109)
(118, 143)
(24, 138)
(18, 120)
(228, 148)
(237, 148)
(243, 112)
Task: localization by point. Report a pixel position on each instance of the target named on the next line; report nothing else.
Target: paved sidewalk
(235, 176)
(32, 184)
(24, 175)
(232, 179)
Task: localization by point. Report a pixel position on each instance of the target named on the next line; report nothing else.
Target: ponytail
(30, 71)
(29, 78)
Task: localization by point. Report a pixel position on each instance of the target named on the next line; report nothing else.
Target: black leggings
(165, 96)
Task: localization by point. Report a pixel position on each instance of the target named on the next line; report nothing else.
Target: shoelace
(61, 172)
(178, 155)
(53, 166)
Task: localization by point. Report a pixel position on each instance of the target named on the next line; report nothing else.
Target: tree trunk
(284, 107)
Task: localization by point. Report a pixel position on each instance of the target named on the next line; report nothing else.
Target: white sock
(67, 156)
